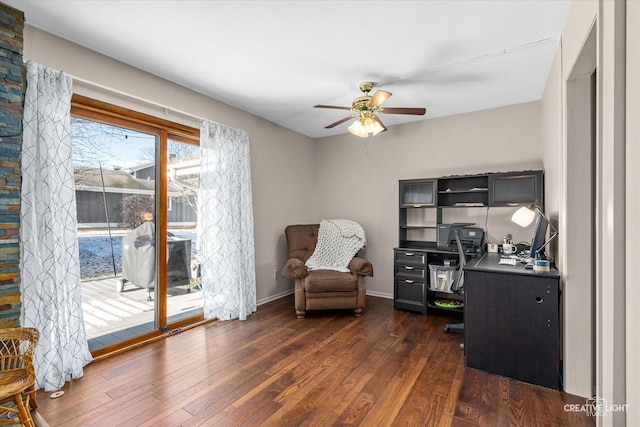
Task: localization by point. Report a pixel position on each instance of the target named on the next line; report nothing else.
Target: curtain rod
(165, 108)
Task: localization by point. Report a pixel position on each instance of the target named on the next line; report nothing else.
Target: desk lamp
(525, 216)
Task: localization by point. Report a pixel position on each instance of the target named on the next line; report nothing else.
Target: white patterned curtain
(51, 294)
(225, 223)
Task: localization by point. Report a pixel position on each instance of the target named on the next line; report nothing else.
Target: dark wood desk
(511, 321)
(412, 288)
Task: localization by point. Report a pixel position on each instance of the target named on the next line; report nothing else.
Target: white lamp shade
(372, 126)
(358, 129)
(523, 216)
(366, 127)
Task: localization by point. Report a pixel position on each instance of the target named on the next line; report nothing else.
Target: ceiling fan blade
(378, 98)
(384, 128)
(400, 110)
(339, 122)
(335, 107)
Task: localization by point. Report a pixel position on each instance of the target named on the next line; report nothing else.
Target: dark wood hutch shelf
(421, 202)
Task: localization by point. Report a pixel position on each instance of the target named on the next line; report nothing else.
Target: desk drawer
(410, 291)
(411, 272)
(410, 257)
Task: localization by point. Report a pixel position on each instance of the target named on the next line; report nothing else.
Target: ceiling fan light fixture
(358, 129)
(373, 127)
(365, 108)
(363, 127)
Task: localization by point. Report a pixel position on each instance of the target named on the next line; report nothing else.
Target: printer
(472, 238)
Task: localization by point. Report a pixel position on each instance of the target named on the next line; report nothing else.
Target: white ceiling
(277, 59)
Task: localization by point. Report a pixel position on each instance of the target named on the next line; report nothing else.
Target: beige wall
(358, 178)
(578, 55)
(610, 337)
(281, 160)
(633, 212)
(551, 138)
(595, 35)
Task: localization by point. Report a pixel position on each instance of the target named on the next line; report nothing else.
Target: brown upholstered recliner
(322, 289)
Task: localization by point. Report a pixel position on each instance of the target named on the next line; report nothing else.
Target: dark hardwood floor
(332, 368)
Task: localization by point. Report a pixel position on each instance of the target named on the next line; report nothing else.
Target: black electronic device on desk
(511, 318)
(444, 235)
(472, 238)
(535, 257)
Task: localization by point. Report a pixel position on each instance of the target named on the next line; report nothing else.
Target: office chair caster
(453, 327)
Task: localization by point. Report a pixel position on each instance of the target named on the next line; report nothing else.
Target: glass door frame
(92, 109)
(163, 201)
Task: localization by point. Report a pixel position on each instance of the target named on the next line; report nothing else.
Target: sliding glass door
(184, 293)
(136, 190)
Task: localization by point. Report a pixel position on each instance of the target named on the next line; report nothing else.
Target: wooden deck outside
(111, 316)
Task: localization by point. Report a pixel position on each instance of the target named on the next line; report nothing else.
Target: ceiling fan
(365, 109)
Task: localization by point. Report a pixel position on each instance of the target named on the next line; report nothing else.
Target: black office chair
(458, 282)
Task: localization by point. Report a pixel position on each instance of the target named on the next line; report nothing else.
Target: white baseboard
(275, 297)
(380, 294)
(289, 292)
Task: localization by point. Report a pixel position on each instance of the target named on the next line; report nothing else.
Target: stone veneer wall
(11, 96)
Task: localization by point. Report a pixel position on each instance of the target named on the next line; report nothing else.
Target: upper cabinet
(418, 193)
(490, 189)
(516, 188)
(418, 220)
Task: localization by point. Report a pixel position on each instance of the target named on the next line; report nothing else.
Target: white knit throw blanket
(339, 240)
